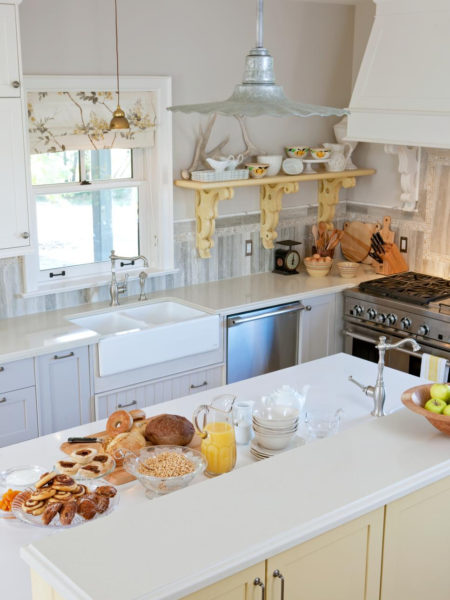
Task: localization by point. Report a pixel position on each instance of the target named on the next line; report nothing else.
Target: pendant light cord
(260, 24)
(117, 51)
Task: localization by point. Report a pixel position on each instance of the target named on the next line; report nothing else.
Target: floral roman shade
(59, 121)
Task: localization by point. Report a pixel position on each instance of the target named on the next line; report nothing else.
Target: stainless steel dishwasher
(261, 341)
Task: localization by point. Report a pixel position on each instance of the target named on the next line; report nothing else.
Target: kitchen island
(172, 546)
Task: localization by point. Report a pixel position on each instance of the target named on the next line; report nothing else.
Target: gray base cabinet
(18, 415)
(64, 394)
(318, 328)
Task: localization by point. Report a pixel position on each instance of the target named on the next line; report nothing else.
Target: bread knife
(84, 440)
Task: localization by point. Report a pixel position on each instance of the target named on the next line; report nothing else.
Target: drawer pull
(16, 84)
(258, 581)
(2, 369)
(277, 573)
(56, 357)
(2, 400)
(127, 405)
(195, 387)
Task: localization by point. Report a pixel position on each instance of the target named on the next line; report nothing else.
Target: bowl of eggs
(318, 266)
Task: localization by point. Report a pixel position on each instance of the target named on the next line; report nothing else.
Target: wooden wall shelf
(272, 189)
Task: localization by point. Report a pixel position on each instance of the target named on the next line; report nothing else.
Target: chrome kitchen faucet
(121, 287)
(378, 392)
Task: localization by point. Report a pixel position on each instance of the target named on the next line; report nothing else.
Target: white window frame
(155, 188)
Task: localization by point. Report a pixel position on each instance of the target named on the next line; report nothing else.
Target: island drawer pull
(127, 405)
(2, 369)
(194, 387)
(277, 573)
(56, 357)
(3, 400)
(258, 581)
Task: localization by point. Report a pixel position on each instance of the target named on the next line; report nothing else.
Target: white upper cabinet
(14, 218)
(10, 75)
(402, 93)
(15, 238)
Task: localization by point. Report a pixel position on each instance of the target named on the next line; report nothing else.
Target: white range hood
(402, 92)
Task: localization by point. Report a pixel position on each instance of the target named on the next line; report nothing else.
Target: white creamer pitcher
(338, 157)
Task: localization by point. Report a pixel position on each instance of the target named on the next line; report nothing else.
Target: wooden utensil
(356, 240)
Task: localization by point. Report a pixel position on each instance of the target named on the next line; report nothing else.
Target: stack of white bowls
(275, 425)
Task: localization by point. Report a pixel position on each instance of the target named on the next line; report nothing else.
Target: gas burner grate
(415, 288)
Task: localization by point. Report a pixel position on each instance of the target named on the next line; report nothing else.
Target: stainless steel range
(404, 305)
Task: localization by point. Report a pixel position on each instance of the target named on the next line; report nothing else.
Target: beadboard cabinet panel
(154, 392)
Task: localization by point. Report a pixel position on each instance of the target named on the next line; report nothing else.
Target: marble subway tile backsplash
(227, 260)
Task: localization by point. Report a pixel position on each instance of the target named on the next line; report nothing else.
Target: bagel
(119, 422)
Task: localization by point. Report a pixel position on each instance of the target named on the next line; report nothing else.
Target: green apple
(446, 410)
(440, 391)
(435, 405)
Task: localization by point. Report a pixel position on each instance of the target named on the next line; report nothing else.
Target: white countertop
(166, 546)
(43, 333)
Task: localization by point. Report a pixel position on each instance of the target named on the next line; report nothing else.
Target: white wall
(202, 44)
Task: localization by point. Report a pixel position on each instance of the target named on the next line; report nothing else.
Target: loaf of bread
(169, 429)
(133, 441)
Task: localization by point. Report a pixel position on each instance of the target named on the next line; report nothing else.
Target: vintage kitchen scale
(286, 259)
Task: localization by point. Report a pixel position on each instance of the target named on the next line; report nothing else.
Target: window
(95, 190)
(87, 203)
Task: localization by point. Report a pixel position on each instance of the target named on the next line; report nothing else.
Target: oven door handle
(365, 338)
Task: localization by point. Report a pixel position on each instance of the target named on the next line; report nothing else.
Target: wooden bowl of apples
(432, 401)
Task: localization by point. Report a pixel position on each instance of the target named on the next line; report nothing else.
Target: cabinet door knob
(16, 84)
(2, 400)
(277, 573)
(258, 581)
(25, 235)
(308, 307)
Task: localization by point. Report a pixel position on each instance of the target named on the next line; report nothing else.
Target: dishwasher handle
(288, 308)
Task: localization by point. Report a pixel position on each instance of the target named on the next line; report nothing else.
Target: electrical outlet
(248, 247)
(403, 244)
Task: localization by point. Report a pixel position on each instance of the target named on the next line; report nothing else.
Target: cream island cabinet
(392, 553)
(324, 516)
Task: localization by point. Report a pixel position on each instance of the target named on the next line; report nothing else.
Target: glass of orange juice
(217, 432)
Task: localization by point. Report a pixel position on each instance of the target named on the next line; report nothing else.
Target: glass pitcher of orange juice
(217, 432)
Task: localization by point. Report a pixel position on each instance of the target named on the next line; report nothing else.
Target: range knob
(391, 319)
(371, 313)
(356, 311)
(381, 318)
(423, 330)
(405, 323)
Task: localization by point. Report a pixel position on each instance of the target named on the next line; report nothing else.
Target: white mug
(274, 162)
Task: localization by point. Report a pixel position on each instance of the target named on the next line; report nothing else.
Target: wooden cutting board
(356, 241)
(119, 476)
(386, 233)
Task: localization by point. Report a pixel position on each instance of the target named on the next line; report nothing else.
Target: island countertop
(166, 547)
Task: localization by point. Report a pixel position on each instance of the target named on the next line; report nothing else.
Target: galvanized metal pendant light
(119, 120)
(258, 94)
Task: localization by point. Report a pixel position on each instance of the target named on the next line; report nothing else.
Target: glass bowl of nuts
(164, 469)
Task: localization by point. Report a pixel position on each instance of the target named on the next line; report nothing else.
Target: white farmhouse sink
(150, 334)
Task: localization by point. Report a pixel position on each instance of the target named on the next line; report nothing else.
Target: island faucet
(378, 392)
(121, 287)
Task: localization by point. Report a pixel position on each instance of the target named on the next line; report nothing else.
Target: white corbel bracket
(409, 169)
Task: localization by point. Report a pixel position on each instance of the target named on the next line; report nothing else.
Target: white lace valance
(59, 121)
